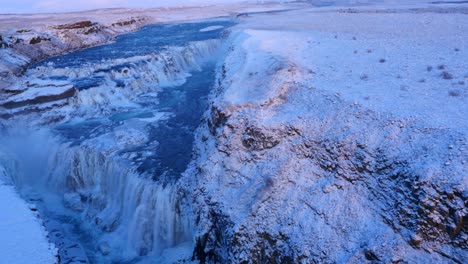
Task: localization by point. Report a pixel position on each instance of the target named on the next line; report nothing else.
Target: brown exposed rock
(1, 42)
(84, 27)
(37, 40)
(23, 31)
(78, 25)
(12, 91)
(218, 119)
(40, 99)
(91, 30)
(258, 139)
(124, 23)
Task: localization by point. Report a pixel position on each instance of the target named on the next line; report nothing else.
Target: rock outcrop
(21, 47)
(39, 96)
(286, 173)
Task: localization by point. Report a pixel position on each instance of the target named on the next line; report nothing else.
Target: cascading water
(102, 167)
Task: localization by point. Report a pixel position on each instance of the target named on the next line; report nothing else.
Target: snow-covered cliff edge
(320, 148)
(21, 228)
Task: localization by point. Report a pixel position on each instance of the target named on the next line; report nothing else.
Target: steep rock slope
(292, 170)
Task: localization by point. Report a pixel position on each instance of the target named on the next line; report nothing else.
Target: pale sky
(49, 6)
(34, 6)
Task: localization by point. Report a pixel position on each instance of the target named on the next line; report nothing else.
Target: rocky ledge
(288, 173)
(21, 47)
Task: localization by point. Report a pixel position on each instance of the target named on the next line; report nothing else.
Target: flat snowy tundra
(236, 132)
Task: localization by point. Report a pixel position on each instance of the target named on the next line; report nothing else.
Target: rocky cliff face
(287, 173)
(20, 47)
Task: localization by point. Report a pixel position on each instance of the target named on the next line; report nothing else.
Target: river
(102, 167)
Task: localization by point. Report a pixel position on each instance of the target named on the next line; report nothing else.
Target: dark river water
(185, 103)
(147, 40)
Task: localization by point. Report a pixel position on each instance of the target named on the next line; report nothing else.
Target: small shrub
(454, 93)
(456, 49)
(382, 60)
(441, 67)
(461, 82)
(369, 51)
(422, 80)
(355, 52)
(446, 75)
(23, 31)
(429, 68)
(364, 77)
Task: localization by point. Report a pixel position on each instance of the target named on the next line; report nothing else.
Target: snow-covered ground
(337, 135)
(334, 134)
(23, 237)
(411, 64)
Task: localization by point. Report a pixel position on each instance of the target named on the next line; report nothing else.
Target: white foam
(211, 28)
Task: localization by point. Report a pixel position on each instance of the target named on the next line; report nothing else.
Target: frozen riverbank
(22, 232)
